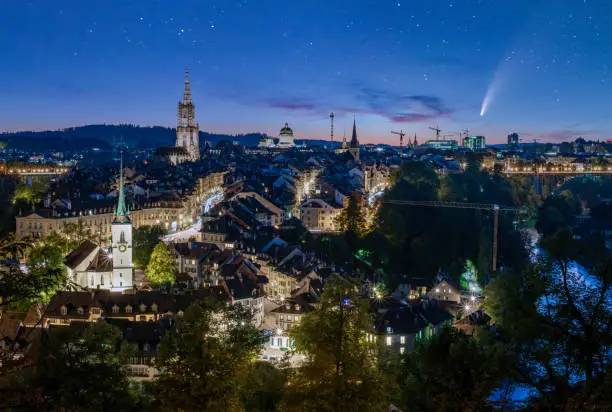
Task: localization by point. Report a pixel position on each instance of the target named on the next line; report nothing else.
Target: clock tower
(123, 273)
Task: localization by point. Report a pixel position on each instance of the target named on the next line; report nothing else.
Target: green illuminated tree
(20, 290)
(26, 194)
(145, 239)
(469, 278)
(204, 356)
(342, 372)
(162, 267)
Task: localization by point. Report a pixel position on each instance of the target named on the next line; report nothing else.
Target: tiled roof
(77, 256)
(100, 263)
(300, 304)
(106, 300)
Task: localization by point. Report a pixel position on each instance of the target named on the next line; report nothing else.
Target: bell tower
(187, 130)
(123, 274)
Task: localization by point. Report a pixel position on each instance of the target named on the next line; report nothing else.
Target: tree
(351, 219)
(76, 233)
(342, 371)
(469, 279)
(557, 212)
(421, 240)
(11, 248)
(262, 387)
(202, 359)
(20, 290)
(451, 371)
(27, 194)
(559, 318)
(162, 267)
(145, 239)
(84, 373)
(46, 254)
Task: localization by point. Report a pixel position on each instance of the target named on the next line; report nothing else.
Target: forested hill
(105, 136)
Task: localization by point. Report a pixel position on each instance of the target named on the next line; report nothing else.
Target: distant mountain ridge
(105, 136)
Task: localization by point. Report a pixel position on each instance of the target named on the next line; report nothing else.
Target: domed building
(285, 138)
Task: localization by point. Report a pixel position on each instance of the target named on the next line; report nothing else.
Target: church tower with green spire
(123, 273)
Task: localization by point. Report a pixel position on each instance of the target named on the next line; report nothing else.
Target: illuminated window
(402, 350)
(143, 307)
(80, 311)
(128, 309)
(154, 307)
(402, 340)
(388, 340)
(63, 310)
(115, 309)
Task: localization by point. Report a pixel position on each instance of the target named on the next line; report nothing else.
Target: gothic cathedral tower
(187, 131)
(123, 273)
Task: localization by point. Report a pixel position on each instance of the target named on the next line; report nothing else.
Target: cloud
(401, 108)
(398, 108)
(292, 105)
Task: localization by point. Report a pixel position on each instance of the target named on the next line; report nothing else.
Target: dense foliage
(203, 358)
(558, 320)
(145, 239)
(161, 267)
(84, 372)
(343, 371)
(452, 372)
(421, 240)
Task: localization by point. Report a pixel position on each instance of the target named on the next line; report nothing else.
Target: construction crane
(496, 209)
(401, 134)
(437, 130)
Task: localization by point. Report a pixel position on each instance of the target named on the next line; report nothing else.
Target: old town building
(320, 216)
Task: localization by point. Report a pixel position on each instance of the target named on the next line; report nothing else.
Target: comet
(492, 90)
(485, 102)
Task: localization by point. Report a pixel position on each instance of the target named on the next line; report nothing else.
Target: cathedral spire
(187, 92)
(121, 213)
(354, 141)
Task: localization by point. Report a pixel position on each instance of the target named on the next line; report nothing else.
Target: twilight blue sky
(255, 64)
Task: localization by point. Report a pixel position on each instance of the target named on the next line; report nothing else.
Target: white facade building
(285, 138)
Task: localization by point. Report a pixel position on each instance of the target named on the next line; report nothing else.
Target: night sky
(541, 66)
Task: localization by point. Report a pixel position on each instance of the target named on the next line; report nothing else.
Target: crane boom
(464, 205)
(401, 134)
(456, 205)
(437, 130)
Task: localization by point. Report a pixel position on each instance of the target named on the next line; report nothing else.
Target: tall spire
(354, 141)
(121, 213)
(187, 92)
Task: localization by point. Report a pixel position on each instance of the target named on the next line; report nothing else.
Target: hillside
(105, 136)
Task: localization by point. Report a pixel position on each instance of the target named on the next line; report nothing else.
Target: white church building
(90, 266)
